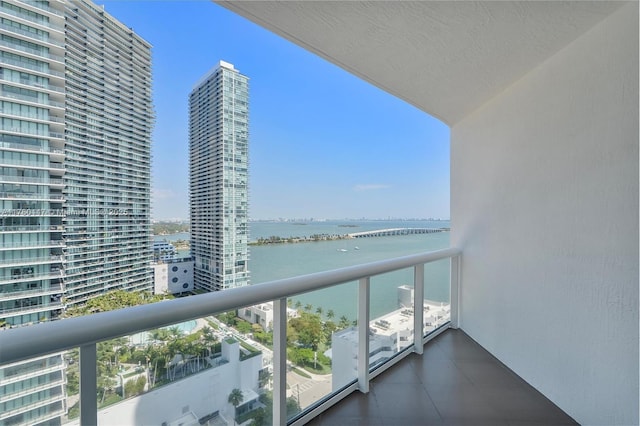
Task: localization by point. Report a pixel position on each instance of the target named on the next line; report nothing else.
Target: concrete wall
(544, 184)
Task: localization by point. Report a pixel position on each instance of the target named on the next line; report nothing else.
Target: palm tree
(298, 304)
(308, 307)
(236, 398)
(160, 334)
(319, 310)
(344, 322)
(209, 338)
(330, 314)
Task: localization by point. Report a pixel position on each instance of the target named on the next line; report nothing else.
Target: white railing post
(88, 385)
(455, 291)
(418, 308)
(280, 361)
(363, 334)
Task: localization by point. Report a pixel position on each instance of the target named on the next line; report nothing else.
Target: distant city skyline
(323, 143)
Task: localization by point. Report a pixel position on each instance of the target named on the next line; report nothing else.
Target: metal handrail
(56, 336)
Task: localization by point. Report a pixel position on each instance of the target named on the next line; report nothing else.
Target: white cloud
(370, 187)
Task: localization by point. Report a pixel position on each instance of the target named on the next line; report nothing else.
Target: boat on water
(356, 248)
(342, 249)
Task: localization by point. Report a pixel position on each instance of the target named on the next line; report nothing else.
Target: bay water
(271, 262)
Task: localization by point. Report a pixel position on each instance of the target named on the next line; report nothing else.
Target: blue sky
(323, 143)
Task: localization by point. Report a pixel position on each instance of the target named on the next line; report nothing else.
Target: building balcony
(544, 206)
(445, 379)
(32, 19)
(19, 278)
(30, 261)
(25, 309)
(31, 245)
(35, 36)
(51, 289)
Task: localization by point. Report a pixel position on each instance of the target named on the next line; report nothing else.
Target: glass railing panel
(437, 295)
(322, 345)
(182, 373)
(251, 396)
(391, 315)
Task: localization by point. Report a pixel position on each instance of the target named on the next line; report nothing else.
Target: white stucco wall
(544, 198)
(173, 277)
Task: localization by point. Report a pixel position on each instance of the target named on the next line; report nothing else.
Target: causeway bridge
(396, 231)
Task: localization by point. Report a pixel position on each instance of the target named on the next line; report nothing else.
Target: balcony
(454, 382)
(544, 169)
(544, 203)
(465, 383)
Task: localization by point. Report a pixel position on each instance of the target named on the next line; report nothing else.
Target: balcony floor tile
(455, 382)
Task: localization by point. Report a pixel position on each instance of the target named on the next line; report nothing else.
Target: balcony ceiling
(446, 58)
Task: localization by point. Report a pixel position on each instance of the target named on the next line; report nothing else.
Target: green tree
(141, 381)
(130, 389)
(229, 318)
(209, 338)
(243, 327)
(105, 385)
(344, 322)
(331, 314)
(73, 381)
(301, 356)
(235, 397)
(112, 300)
(259, 418)
(309, 330)
(329, 327)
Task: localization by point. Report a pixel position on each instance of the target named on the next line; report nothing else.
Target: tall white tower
(219, 161)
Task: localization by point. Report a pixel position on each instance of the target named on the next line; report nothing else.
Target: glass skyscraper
(219, 161)
(32, 78)
(109, 119)
(75, 135)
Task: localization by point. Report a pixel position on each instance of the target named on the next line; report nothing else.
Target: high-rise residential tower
(75, 136)
(32, 80)
(219, 161)
(109, 119)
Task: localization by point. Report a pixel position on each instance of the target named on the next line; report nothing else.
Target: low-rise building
(164, 251)
(199, 396)
(173, 277)
(262, 314)
(388, 335)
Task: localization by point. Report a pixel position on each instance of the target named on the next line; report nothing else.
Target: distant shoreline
(291, 240)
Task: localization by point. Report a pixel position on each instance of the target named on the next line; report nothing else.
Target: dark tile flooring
(455, 382)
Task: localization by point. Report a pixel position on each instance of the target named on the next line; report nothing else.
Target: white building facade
(173, 276)
(388, 335)
(218, 161)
